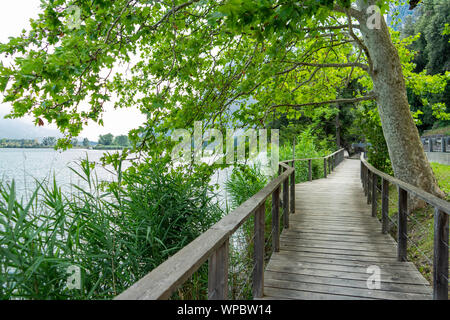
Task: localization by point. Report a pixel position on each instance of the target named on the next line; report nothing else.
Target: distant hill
(19, 129)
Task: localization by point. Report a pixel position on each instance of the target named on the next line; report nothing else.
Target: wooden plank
(310, 170)
(440, 263)
(334, 218)
(337, 241)
(258, 252)
(326, 259)
(369, 247)
(345, 291)
(402, 238)
(292, 197)
(344, 252)
(374, 194)
(385, 286)
(304, 295)
(406, 272)
(307, 219)
(286, 204)
(340, 238)
(314, 213)
(341, 257)
(275, 266)
(276, 220)
(385, 206)
(218, 273)
(334, 231)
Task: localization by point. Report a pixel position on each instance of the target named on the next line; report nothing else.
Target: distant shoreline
(104, 148)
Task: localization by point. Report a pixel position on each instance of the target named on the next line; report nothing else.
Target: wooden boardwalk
(331, 242)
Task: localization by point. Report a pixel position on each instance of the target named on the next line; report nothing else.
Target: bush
(307, 146)
(114, 235)
(244, 182)
(377, 151)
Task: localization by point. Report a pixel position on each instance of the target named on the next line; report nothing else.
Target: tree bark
(406, 152)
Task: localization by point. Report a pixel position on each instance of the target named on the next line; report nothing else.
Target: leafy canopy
(232, 61)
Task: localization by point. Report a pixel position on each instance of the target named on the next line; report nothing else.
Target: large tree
(106, 139)
(182, 61)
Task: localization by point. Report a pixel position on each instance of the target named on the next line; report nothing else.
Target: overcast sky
(14, 17)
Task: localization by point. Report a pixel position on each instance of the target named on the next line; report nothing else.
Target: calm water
(26, 165)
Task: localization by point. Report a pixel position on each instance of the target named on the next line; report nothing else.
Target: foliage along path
(334, 247)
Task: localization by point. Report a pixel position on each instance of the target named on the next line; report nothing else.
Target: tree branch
(359, 42)
(325, 65)
(353, 12)
(370, 96)
(356, 26)
(169, 13)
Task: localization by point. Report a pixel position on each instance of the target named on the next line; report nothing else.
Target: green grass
(420, 224)
(442, 174)
(444, 131)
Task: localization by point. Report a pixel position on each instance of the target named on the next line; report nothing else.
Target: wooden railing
(369, 178)
(213, 245)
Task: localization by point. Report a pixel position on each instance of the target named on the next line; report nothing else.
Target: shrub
(115, 235)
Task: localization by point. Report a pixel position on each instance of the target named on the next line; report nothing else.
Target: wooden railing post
(292, 198)
(384, 206)
(430, 144)
(286, 203)
(402, 224)
(369, 187)
(374, 194)
(329, 165)
(310, 170)
(361, 171)
(218, 273)
(276, 220)
(443, 144)
(440, 260)
(332, 163)
(324, 167)
(364, 183)
(258, 252)
(365, 180)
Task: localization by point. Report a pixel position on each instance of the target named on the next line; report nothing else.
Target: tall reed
(114, 232)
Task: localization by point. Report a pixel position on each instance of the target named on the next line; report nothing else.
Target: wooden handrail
(369, 179)
(161, 282)
(425, 196)
(317, 158)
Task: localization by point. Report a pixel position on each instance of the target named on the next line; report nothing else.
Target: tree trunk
(408, 157)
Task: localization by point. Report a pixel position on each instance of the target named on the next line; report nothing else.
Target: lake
(27, 165)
